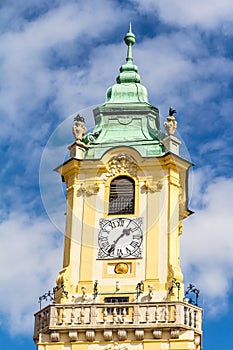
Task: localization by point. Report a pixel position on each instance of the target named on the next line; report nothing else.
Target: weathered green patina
(126, 118)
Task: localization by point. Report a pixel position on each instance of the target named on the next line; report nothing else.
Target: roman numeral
(138, 236)
(102, 238)
(134, 244)
(128, 251)
(104, 245)
(119, 252)
(120, 222)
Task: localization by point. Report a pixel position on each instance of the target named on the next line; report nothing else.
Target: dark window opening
(117, 300)
(121, 198)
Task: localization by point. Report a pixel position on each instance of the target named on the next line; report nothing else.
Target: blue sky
(58, 57)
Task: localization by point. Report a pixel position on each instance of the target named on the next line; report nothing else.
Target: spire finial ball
(130, 37)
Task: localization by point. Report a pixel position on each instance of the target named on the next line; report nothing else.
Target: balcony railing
(57, 317)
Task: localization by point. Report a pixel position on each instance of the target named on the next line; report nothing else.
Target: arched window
(121, 197)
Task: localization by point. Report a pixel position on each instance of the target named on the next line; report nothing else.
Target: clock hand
(112, 247)
(125, 232)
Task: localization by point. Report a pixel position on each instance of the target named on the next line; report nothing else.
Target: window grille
(121, 199)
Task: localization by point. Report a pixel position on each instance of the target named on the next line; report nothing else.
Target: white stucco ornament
(171, 124)
(116, 346)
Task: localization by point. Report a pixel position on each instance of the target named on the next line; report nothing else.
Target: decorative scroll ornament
(116, 346)
(152, 186)
(87, 190)
(122, 163)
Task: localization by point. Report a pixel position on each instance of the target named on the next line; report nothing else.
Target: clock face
(120, 238)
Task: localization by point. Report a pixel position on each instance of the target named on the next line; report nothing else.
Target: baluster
(124, 313)
(147, 314)
(93, 315)
(192, 318)
(114, 315)
(42, 320)
(56, 320)
(156, 314)
(58, 316)
(162, 314)
(63, 315)
(82, 315)
(175, 313)
(105, 315)
(37, 327)
(166, 314)
(187, 316)
(197, 320)
(48, 317)
(72, 315)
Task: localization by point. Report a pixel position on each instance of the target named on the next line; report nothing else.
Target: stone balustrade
(107, 317)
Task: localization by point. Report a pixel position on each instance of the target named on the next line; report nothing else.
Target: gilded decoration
(122, 163)
(121, 268)
(152, 186)
(87, 189)
(180, 228)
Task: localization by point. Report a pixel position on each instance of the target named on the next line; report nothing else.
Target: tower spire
(128, 87)
(129, 71)
(130, 41)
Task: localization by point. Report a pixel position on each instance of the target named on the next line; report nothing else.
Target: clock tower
(121, 285)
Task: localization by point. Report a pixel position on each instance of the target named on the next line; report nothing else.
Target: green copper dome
(126, 118)
(128, 87)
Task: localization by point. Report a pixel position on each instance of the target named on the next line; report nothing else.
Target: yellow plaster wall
(160, 212)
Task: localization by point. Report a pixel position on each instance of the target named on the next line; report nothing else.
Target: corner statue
(171, 124)
(78, 128)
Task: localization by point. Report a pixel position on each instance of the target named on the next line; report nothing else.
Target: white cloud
(31, 257)
(207, 241)
(208, 14)
(218, 145)
(29, 77)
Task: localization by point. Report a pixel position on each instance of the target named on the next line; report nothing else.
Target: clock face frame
(120, 238)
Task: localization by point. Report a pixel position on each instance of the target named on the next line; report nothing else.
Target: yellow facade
(158, 193)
